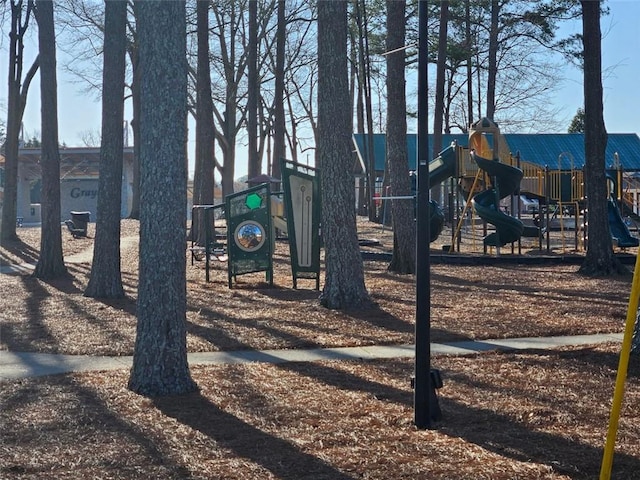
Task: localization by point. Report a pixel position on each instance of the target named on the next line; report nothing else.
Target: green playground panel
(249, 233)
(301, 185)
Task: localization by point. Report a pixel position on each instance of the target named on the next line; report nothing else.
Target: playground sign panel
(249, 233)
(301, 185)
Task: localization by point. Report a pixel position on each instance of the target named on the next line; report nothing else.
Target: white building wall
(79, 195)
(76, 194)
(23, 206)
(126, 194)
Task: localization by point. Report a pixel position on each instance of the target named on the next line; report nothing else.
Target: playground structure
(252, 217)
(492, 198)
(620, 209)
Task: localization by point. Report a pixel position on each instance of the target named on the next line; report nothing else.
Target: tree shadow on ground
(126, 303)
(81, 419)
(500, 434)
(289, 294)
(484, 427)
(228, 333)
(246, 441)
(218, 334)
(34, 325)
(65, 284)
(491, 284)
(37, 332)
(21, 250)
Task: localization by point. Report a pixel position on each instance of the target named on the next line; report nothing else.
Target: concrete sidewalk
(16, 365)
(17, 269)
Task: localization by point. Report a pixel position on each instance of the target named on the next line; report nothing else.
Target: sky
(621, 70)
(79, 112)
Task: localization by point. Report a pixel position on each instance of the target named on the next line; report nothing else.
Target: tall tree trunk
(229, 133)
(106, 275)
(402, 211)
(160, 357)
(359, 87)
(599, 259)
(438, 111)
(365, 79)
(492, 73)
(468, 44)
(16, 102)
(227, 173)
(253, 92)
(50, 264)
(279, 147)
(344, 278)
(229, 20)
(203, 181)
(438, 193)
(363, 200)
(135, 128)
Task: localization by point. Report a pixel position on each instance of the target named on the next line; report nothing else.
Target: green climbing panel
(249, 233)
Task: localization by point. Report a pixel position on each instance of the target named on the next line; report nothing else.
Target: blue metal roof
(380, 145)
(560, 151)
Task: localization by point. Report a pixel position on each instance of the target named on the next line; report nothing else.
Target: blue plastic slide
(440, 168)
(619, 230)
(487, 204)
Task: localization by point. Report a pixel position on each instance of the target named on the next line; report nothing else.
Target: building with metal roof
(79, 173)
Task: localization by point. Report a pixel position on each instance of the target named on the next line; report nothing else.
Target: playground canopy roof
(559, 151)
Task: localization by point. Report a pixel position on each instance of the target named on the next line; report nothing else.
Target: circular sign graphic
(249, 236)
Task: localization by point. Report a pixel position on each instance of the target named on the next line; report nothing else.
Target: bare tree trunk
(16, 101)
(229, 131)
(437, 192)
(253, 92)
(404, 230)
(344, 278)
(279, 147)
(438, 111)
(50, 264)
(366, 90)
(363, 199)
(227, 172)
(599, 259)
(203, 181)
(492, 73)
(229, 19)
(135, 127)
(160, 357)
(469, 43)
(359, 87)
(106, 274)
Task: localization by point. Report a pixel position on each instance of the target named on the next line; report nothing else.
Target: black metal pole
(423, 404)
(207, 218)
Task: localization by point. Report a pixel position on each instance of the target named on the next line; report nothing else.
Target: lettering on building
(77, 192)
